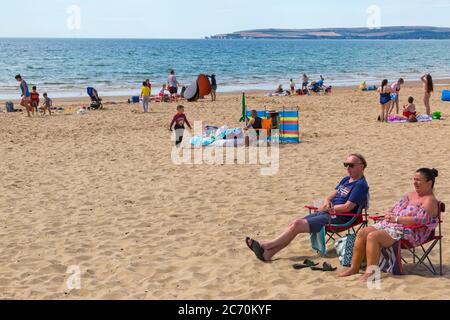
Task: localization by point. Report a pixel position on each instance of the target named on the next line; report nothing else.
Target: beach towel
(318, 242)
(391, 259)
(344, 249)
(274, 94)
(399, 119)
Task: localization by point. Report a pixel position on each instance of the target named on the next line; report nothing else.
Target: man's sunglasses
(350, 165)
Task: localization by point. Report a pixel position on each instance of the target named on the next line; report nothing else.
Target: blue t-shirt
(355, 192)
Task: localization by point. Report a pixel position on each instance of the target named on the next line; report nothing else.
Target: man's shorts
(173, 90)
(318, 220)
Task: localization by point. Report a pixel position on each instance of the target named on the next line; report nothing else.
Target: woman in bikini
(415, 208)
(428, 88)
(385, 100)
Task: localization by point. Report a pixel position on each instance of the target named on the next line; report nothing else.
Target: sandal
(326, 268)
(256, 248)
(306, 264)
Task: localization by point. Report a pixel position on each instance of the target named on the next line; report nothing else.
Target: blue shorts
(394, 96)
(318, 220)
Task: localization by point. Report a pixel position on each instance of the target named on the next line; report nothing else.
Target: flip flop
(306, 264)
(256, 248)
(326, 268)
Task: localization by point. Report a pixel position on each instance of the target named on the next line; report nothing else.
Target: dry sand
(100, 192)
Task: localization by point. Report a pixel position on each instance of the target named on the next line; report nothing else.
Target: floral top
(421, 217)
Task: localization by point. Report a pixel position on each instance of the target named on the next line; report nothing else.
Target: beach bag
(135, 99)
(344, 249)
(391, 259)
(318, 242)
(445, 95)
(9, 106)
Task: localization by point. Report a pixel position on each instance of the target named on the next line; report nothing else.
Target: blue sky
(199, 18)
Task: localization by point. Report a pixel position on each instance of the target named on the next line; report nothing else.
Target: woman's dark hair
(144, 83)
(430, 86)
(172, 71)
(429, 174)
(18, 77)
(401, 81)
(384, 84)
(410, 99)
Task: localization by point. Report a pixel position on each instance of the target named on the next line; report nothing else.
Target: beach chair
(96, 101)
(334, 232)
(421, 253)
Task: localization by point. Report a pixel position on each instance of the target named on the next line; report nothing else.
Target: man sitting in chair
(350, 195)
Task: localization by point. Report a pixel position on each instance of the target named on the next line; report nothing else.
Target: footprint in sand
(176, 232)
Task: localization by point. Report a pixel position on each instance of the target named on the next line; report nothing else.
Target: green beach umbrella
(244, 109)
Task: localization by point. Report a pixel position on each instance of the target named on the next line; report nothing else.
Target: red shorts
(408, 114)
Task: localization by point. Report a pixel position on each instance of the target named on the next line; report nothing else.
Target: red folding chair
(423, 258)
(360, 220)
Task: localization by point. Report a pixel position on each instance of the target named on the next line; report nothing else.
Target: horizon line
(208, 37)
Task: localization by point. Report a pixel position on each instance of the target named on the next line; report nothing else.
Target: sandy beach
(100, 191)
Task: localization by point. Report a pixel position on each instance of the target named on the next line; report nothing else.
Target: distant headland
(387, 33)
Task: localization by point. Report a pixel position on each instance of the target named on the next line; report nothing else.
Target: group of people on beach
(169, 91)
(31, 100)
(419, 207)
(389, 98)
(314, 87)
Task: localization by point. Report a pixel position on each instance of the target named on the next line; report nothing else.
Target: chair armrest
(419, 226)
(337, 214)
(346, 214)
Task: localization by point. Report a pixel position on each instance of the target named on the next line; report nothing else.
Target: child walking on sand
(145, 96)
(47, 104)
(179, 120)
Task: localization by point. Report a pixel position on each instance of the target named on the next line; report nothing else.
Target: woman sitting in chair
(416, 208)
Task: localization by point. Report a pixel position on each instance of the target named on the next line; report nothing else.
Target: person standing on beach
(305, 82)
(173, 85)
(213, 86)
(34, 100)
(385, 100)
(428, 88)
(145, 96)
(395, 89)
(26, 95)
(292, 84)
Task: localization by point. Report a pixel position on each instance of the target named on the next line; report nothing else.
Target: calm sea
(65, 67)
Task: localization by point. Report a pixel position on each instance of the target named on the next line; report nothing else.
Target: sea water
(65, 67)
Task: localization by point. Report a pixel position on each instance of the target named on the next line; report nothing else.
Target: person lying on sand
(418, 207)
(350, 194)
